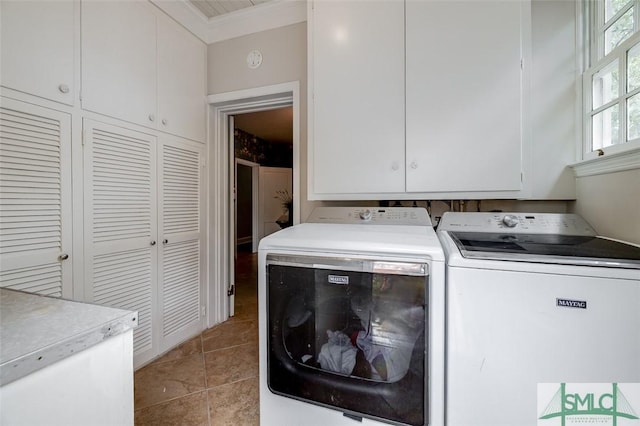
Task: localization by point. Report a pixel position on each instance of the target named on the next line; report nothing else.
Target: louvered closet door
(121, 225)
(35, 199)
(181, 233)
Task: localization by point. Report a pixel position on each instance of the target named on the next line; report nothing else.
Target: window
(612, 82)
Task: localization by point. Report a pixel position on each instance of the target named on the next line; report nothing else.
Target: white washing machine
(533, 299)
(351, 314)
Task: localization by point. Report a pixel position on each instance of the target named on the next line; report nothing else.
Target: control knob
(510, 220)
(365, 214)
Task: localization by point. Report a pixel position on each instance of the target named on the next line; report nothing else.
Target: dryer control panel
(517, 223)
(413, 216)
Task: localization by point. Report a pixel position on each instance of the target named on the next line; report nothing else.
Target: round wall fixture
(254, 59)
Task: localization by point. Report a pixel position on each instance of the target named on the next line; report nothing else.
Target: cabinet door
(119, 60)
(35, 199)
(464, 96)
(356, 128)
(181, 81)
(181, 230)
(121, 226)
(37, 48)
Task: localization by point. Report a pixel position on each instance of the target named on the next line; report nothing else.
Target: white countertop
(37, 331)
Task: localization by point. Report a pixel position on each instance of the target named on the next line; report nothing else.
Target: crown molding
(265, 16)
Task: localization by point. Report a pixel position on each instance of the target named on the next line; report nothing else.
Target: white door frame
(220, 221)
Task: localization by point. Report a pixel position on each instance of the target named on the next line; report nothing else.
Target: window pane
(618, 32)
(633, 68)
(633, 117)
(606, 126)
(611, 7)
(605, 85)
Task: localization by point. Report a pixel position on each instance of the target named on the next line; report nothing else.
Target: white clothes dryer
(534, 299)
(351, 314)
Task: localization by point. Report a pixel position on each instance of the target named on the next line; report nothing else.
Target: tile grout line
(170, 400)
(206, 385)
(233, 382)
(228, 347)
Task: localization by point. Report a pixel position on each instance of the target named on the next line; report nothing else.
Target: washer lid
(547, 248)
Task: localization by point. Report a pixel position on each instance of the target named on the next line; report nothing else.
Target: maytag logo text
(339, 279)
(568, 303)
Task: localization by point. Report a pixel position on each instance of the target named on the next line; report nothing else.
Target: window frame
(594, 14)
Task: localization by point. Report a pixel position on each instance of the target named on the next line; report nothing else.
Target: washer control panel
(517, 223)
(414, 216)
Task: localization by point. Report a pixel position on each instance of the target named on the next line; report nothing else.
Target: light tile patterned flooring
(212, 379)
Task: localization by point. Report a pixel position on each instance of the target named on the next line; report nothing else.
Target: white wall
(553, 98)
(284, 59)
(611, 204)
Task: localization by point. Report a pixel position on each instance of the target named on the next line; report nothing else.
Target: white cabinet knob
(413, 165)
(63, 88)
(152, 117)
(395, 166)
(164, 121)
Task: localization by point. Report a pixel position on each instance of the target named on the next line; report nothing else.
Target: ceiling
(275, 125)
(214, 8)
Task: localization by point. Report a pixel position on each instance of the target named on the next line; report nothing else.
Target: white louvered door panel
(35, 199)
(121, 225)
(181, 253)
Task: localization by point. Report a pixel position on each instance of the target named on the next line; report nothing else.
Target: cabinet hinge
(84, 136)
(232, 290)
(203, 162)
(521, 177)
(204, 310)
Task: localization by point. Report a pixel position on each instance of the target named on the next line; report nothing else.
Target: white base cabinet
(92, 387)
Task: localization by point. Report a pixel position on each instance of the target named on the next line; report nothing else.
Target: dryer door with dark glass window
(349, 334)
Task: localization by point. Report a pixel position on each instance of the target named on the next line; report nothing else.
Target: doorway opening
(247, 174)
(222, 219)
(262, 192)
(263, 180)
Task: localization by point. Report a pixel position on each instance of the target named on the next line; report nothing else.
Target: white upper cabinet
(181, 81)
(37, 48)
(140, 66)
(464, 96)
(356, 81)
(418, 99)
(119, 60)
